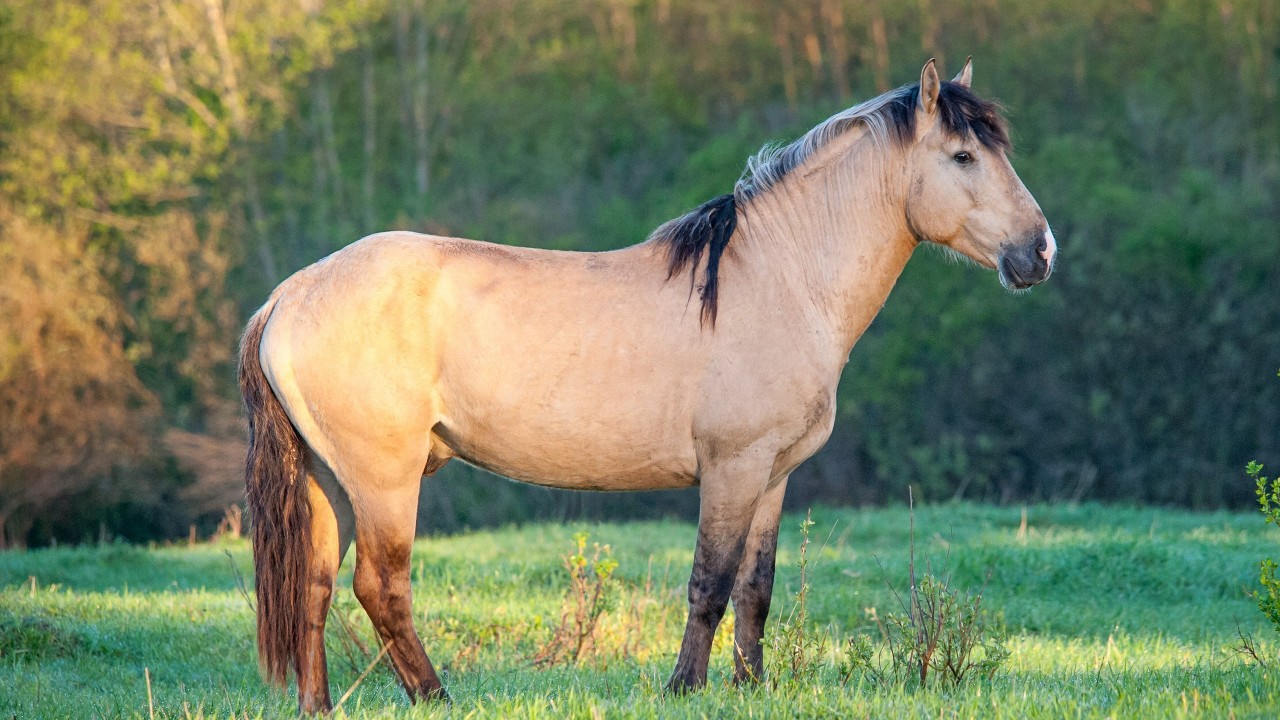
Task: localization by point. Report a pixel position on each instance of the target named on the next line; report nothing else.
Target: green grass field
(1113, 613)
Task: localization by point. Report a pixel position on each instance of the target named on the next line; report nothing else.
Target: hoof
(315, 702)
(438, 694)
(681, 685)
(313, 709)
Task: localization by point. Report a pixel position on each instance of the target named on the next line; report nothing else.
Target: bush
(1268, 598)
(592, 593)
(942, 634)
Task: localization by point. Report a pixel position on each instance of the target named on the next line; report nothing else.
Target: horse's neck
(834, 234)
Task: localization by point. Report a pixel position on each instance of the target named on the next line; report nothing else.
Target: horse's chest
(786, 423)
(813, 423)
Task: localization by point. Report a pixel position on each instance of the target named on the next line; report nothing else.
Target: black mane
(709, 227)
(890, 117)
(706, 228)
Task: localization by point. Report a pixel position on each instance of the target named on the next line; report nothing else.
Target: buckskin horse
(605, 370)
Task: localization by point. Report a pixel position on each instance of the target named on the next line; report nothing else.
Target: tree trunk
(880, 50)
(298, 252)
(812, 45)
(411, 56)
(320, 209)
(240, 121)
(929, 33)
(838, 43)
(782, 39)
(368, 97)
(329, 142)
(420, 118)
(13, 533)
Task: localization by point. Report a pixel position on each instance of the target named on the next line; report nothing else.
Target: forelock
(966, 115)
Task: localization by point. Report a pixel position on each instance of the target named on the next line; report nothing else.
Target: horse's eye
(962, 158)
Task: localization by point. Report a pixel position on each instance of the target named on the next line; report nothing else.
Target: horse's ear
(965, 78)
(929, 87)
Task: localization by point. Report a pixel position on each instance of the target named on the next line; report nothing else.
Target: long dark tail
(279, 510)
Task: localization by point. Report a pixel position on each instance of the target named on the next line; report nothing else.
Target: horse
(373, 367)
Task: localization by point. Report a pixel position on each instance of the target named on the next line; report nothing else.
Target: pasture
(1112, 612)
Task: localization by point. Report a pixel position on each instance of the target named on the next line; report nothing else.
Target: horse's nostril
(1047, 247)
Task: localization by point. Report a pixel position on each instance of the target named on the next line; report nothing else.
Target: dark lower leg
(753, 590)
(751, 598)
(714, 566)
(382, 586)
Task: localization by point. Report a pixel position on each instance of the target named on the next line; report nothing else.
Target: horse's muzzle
(1030, 262)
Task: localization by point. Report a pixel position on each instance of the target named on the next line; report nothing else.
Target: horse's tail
(279, 510)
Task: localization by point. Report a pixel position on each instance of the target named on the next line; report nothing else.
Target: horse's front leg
(729, 495)
(753, 590)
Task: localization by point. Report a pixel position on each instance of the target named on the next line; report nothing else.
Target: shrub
(942, 633)
(592, 593)
(945, 635)
(1268, 598)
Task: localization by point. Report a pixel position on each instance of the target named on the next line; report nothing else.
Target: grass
(1113, 612)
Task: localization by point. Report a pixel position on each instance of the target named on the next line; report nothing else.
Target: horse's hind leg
(385, 523)
(753, 590)
(331, 528)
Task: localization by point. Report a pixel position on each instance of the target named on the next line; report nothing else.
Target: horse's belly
(596, 457)
(555, 373)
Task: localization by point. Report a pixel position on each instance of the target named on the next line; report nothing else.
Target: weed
(1268, 598)
(793, 645)
(946, 635)
(591, 594)
(941, 633)
(241, 586)
(1248, 648)
(368, 669)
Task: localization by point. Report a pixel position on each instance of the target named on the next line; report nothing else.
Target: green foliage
(185, 178)
(1268, 598)
(1087, 641)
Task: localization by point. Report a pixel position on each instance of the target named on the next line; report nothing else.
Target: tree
(71, 406)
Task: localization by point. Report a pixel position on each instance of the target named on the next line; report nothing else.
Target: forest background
(164, 163)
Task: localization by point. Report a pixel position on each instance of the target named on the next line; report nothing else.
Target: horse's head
(962, 192)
